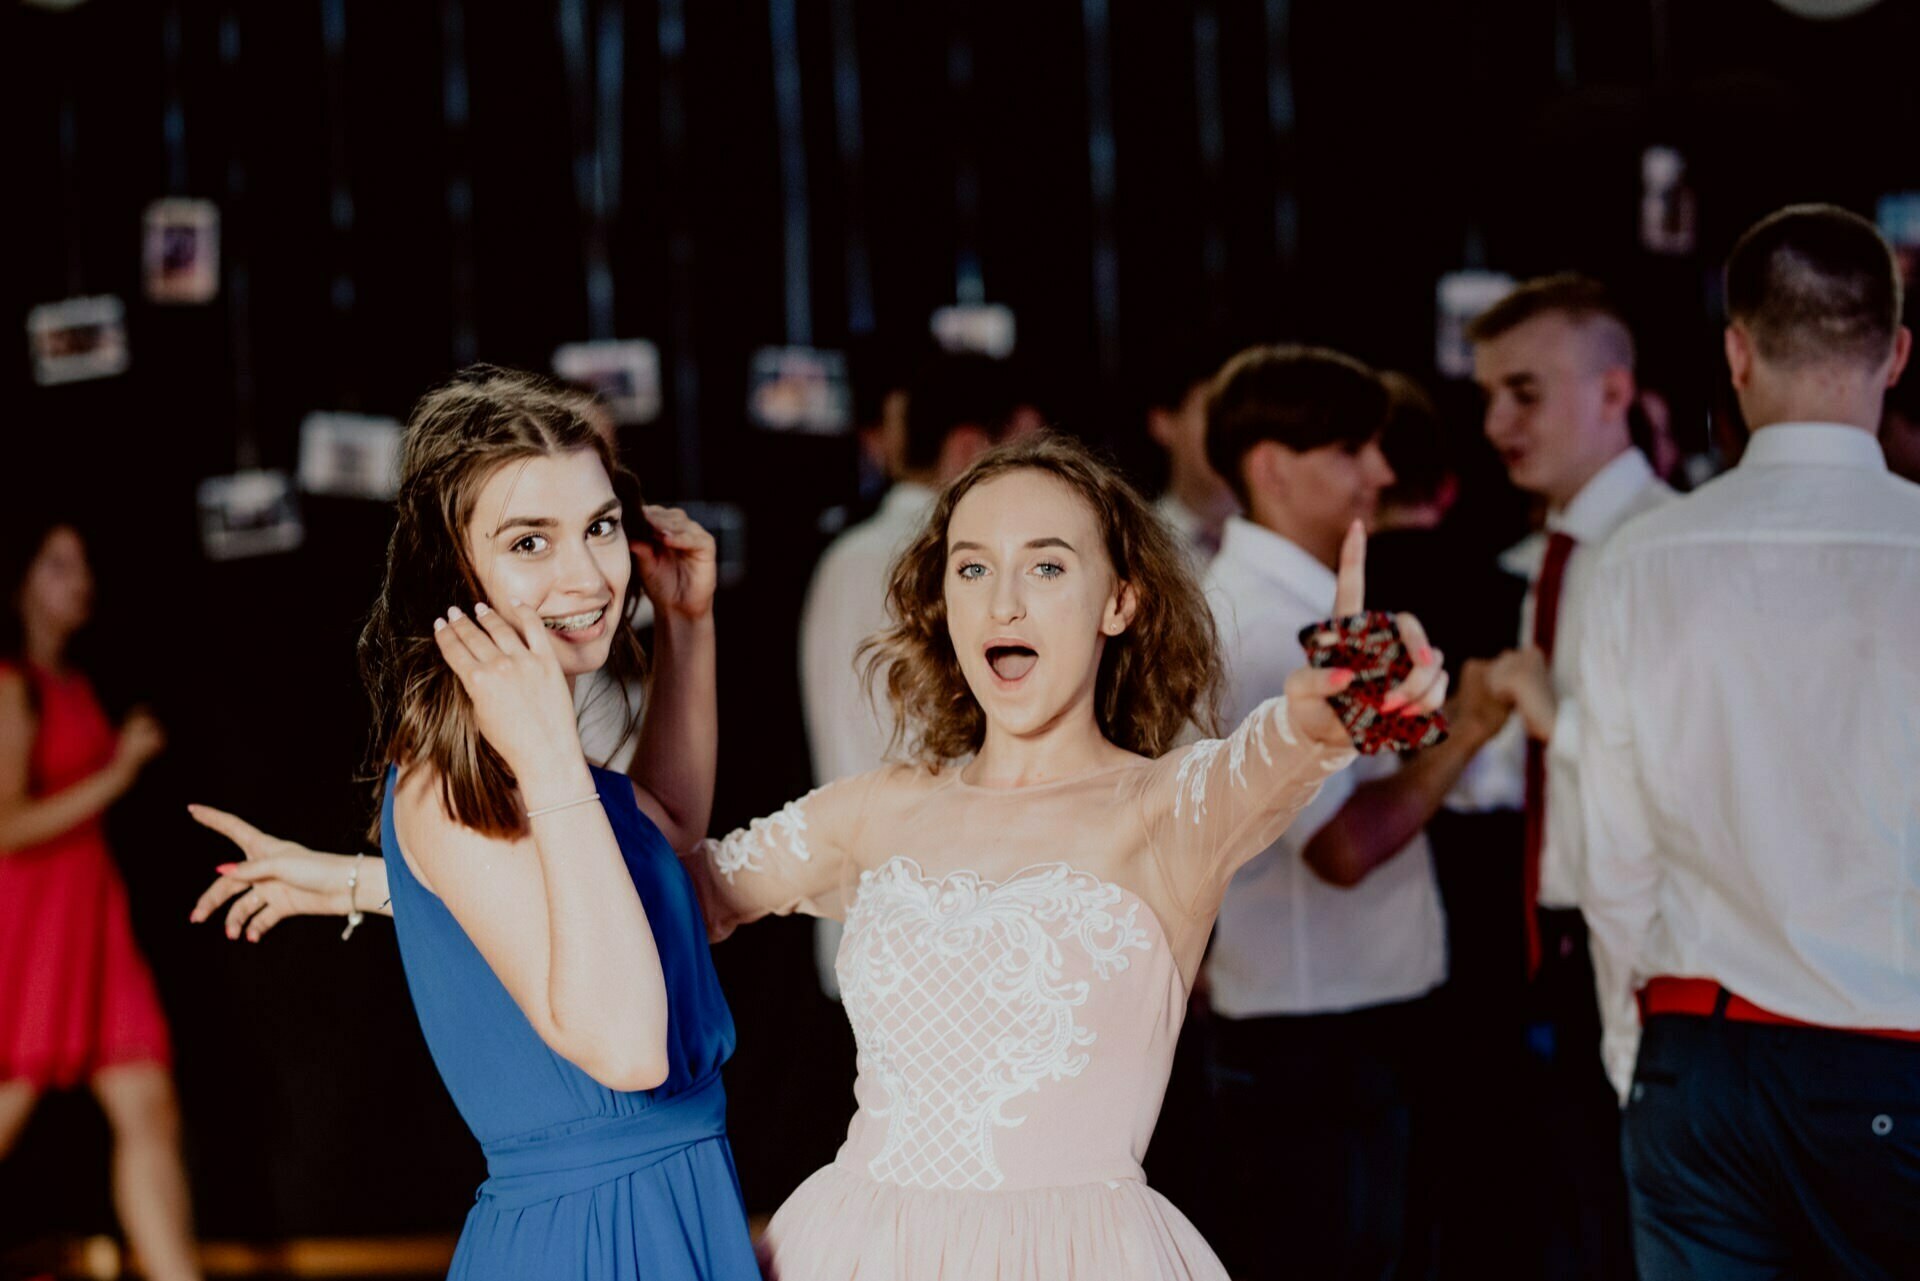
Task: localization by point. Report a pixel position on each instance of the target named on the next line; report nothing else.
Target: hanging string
(793, 171)
(596, 85)
(969, 280)
(233, 268)
(454, 116)
(173, 115)
(333, 30)
(671, 35)
(1210, 114)
(1101, 162)
(852, 145)
(1280, 126)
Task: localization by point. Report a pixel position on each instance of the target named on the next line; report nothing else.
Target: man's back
(1754, 681)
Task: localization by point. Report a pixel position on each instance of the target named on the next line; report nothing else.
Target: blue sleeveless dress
(583, 1181)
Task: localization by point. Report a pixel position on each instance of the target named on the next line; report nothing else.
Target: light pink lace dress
(1015, 966)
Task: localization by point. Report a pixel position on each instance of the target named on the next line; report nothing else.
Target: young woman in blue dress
(552, 943)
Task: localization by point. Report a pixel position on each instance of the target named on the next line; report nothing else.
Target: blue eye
(966, 570)
(1049, 569)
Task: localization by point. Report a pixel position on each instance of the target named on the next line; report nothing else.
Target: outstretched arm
(795, 860)
(276, 879)
(1214, 805)
(1383, 815)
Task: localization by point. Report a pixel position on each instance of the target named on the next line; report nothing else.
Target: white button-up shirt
(1615, 494)
(1750, 753)
(847, 732)
(1288, 942)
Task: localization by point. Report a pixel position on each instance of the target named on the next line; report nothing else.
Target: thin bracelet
(354, 914)
(563, 805)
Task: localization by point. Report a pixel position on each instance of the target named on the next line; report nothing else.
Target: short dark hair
(1568, 293)
(1301, 397)
(952, 390)
(1813, 284)
(1175, 367)
(1414, 441)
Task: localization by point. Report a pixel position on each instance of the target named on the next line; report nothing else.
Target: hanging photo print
(1460, 297)
(350, 456)
(181, 251)
(623, 373)
(250, 513)
(800, 389)
(77, 338)
(985, 327)
(1899, 218)
(1666, 203)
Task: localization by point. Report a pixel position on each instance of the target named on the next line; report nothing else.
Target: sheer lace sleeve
(793, 860)
(1210, 806)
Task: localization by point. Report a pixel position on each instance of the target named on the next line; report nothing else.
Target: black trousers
(1755, 1151)
(1314, 1118)
(1578, 1200)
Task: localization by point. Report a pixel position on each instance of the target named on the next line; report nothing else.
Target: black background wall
(1428, 135)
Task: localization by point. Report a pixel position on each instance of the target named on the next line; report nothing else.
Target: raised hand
(277, 879)
(141, 739)
(521, 700)
(680, 569)
(1523, 678)
(1308, 689)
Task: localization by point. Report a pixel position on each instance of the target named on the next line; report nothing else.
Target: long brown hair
(457, 437)
(1157, 677)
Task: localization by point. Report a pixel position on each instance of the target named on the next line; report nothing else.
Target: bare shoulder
(431, 840)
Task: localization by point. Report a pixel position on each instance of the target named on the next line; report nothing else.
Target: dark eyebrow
(1518, 380)
(548, 522)
(1036, 542)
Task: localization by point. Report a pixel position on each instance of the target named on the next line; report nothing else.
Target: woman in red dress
(77, 1003)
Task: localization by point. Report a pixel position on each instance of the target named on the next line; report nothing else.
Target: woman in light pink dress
(1027, 900)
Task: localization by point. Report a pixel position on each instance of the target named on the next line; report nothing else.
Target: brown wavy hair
(1157, 677)
(456, 438)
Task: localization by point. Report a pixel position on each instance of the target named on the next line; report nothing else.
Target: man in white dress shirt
(955, 407)
(1555, 361)
(1329, 940)
(1750, 765)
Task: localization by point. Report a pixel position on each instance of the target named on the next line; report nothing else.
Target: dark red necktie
(1546, 622)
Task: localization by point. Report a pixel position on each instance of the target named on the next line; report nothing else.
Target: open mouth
(575, 622)
(1011, 661)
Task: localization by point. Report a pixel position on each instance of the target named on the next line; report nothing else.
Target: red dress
(75, 994)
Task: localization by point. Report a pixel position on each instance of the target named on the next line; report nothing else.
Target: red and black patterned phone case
(1369, 645)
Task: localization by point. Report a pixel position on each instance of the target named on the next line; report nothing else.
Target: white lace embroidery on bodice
(954, 987)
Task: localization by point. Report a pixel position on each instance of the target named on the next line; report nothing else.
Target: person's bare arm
(677, 754)
(26, 820)
(1384, 814)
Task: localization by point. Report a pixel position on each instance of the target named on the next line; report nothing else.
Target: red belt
(1705, 997)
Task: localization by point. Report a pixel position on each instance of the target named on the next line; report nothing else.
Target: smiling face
(1031, 599)
(546, 531)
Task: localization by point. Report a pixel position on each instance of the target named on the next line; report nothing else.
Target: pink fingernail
(1342, 679)
(1426, 655)
(226, 869)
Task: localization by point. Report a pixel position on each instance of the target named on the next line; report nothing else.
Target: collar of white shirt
(1281, 560)
(1596, 509)
(1813, 445)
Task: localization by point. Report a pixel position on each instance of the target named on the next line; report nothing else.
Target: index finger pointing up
(1350, 596)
